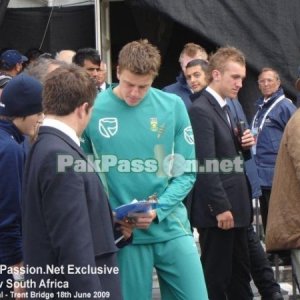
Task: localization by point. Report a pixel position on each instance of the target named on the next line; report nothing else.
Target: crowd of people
(74, 148)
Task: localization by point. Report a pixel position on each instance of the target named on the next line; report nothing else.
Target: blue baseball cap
(21, 97)
(10, 58)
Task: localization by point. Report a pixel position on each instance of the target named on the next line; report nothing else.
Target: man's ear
(216, 75)
(82, 110)
(18, 67)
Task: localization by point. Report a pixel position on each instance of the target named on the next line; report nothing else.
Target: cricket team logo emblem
(153, 124)
(188, 135)
(108, 127)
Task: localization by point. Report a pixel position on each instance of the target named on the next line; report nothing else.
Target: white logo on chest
(108, 127)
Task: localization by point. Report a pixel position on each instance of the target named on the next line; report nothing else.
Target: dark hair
(67, 88)
(198, 62)
(33, 53)
(83, 54)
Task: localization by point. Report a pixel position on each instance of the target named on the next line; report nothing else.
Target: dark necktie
(229, 116)
(233, 126)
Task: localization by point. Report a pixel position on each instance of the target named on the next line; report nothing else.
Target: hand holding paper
(135, 209)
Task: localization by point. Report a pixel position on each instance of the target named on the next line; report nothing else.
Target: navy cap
(21, 97)
(10, 58)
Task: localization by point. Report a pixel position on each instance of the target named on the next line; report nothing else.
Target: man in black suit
(67, 222)
(102, 84)
(221, 206)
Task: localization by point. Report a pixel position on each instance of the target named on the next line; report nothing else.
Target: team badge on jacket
(189, 135)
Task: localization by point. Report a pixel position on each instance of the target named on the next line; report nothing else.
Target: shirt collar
(103, 86)
(66, 129)
(222, 102)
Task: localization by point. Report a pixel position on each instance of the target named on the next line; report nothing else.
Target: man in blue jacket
(189, 52)
(20, 112)
(274, 110)
(261, 271)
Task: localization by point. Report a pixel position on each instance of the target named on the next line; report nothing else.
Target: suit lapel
(216, 106)
(219, 111)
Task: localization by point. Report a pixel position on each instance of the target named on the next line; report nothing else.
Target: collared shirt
(220, 100)
(103, 86)
(66, 129)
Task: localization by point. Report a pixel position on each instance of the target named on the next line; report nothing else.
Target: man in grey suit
(67, 221)
(221, 206)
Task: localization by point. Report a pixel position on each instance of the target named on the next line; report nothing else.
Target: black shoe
(274, 296)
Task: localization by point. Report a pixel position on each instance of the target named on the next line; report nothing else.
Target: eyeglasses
(267, 80)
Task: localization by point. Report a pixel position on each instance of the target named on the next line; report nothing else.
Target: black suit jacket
(216, 192)
(66, 219)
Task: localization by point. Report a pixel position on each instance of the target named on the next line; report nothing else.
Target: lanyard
(266, 114)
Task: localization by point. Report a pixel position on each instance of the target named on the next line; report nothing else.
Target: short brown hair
(67, 88)
(191, 50)
(221, 57)
(140, 57)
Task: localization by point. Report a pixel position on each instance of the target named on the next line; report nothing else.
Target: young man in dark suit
(67, 221)
(221, 206)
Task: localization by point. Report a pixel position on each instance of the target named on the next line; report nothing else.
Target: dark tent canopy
(267, 31)
(69, 28)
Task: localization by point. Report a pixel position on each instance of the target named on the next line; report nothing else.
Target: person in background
(274, 110)
(189, 52)
(65, 56)
(143, 128)
(11, 62)
(4, 79)
(195, 74)
(90, 60)
(20, 112)
(41, 67)
(32, 54)
(260, 268)
(101, 78)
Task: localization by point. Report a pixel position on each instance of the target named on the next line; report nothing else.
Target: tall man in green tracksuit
(141, 139)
